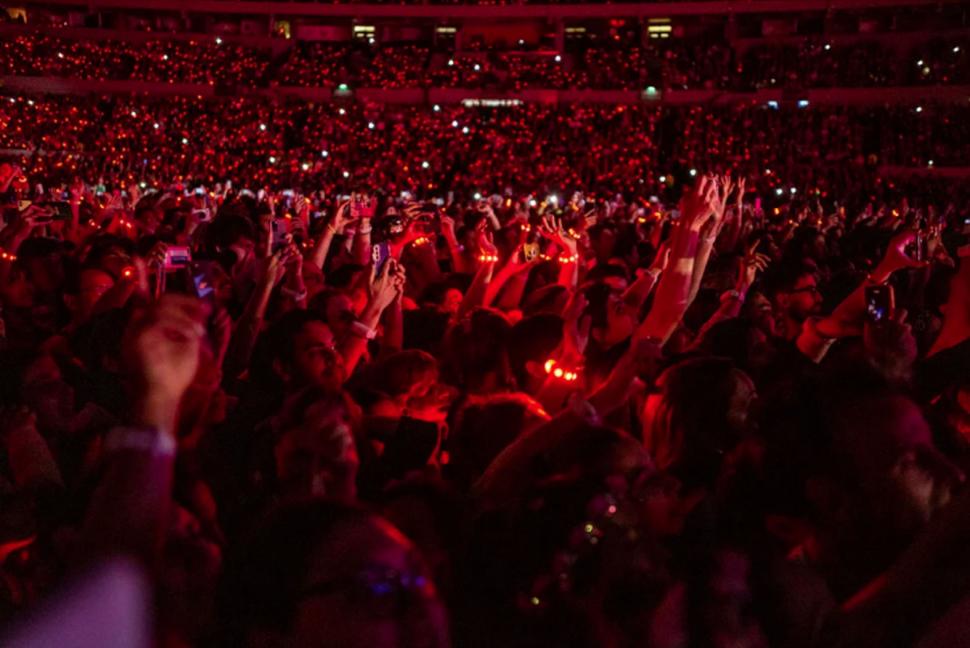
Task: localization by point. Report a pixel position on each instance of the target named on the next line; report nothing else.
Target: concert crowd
(339, 374)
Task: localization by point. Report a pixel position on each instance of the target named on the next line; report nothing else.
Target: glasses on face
(382, 590)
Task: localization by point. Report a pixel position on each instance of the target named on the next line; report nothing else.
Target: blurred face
(760, 311)
(452, 301)
(903, 477)
(340, 314)
(94, 283)
(46, 273)
(243, 249)
(315, 360)
(368, 588)
(319, 457)
(115, 261)
(17, 292)
(620, 322)
(804, 299)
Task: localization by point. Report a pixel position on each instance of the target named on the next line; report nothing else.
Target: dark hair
(533, 339)
(276, 344)
(263, 579)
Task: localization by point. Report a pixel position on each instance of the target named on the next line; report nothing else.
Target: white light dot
(558, 58)
(779, 191)
(60, 55)
(919, 109)
(371, 40)
(919, 62)
(142, 184)
(827, 47)
(185, 140)
(370, 125)
(346, 174)
(477, 67)
(554, 199)
(425, 165)
(956, 50)
(465, 130)
(477, 196)
(693, 172)
(454, 123)
(436, 108)
(262, 127)
(305, 166)
(930, 163)
(164, 57)
(342, 111)
(218, 41)
(451, 61)
(324, 153)
(272, 159)
(30, 102)
(533, 203)
(156, 126)
(793, 190)
(663, 179)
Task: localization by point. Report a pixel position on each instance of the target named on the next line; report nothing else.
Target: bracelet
(421, 240)
(360, 329)
(488, 258)
(148, 440)
(332, 229)
(553, 369)
(569, 259)
(295, 295)
(732, 294)
(7, 256)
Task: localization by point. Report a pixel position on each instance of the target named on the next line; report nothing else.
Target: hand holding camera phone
(880, 303)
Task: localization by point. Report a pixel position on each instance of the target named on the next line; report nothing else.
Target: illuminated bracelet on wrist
(421, 240)
(553, 369)
(7, 256)
(488, 258)
(569, 259)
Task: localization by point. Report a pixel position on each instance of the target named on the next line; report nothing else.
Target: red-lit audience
(677, 64)
(362, 378)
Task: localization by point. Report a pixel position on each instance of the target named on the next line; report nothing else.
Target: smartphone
(920, 251)
(279, 234)
(380, 253)
(177, 257)
(204, 289)
(880, 303)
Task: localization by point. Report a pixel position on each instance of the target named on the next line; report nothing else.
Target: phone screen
(879, 303)
(177, 257)
(380, 253)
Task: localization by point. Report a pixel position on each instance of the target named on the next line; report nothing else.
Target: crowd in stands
(672, 64)
(456, 148)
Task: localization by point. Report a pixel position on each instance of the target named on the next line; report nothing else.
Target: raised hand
(752, 263)
(161, 356)
(897, 257)
(699, 202)
(551, 228)
(383, 288)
